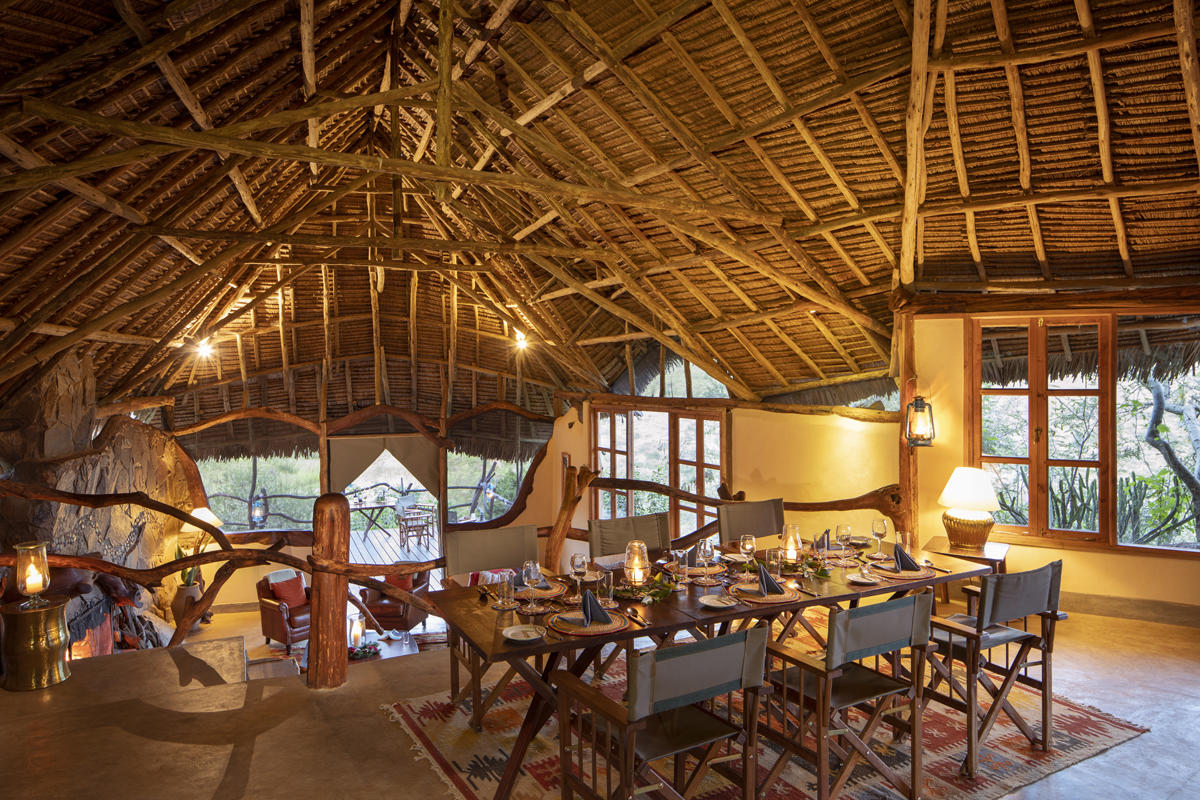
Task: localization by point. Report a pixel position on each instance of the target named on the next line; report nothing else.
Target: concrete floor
(183, 725)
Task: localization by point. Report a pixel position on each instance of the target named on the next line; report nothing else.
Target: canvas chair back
(671, 677)
(756, 518)
(495, 548)
(1007, 597)
(608, 537)
(866, 631)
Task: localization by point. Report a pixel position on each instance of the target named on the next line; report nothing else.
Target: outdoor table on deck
(372, 512)
(475, 620)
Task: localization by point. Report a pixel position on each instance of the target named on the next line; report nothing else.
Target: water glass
(680, 557)
(504, 591)
(775, 562)
(879, 531)
(579, 565)
(705, 554)
(843, 539)
(605, 589)
(747, 545)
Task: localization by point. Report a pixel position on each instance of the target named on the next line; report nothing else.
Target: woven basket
(971, 533)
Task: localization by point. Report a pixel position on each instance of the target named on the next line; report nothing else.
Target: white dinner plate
(524, 633)
(717, 601)
(865, 580)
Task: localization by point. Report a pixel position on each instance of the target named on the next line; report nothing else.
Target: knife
(936, 568)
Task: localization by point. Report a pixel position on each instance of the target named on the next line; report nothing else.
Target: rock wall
(59, 444)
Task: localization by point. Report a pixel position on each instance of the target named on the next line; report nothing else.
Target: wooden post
(907, 381)
(327, 639)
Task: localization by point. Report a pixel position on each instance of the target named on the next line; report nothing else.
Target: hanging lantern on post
(918, 423)
(258, 511)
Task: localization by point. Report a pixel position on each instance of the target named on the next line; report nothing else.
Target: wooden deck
(385, 547)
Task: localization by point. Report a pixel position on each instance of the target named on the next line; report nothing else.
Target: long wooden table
(475, 620)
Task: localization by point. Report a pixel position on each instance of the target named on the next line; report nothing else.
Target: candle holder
(792, 548)
(33, 573)
(637, 563)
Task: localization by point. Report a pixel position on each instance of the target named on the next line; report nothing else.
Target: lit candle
(35, 582)
(635, 575)
(356, 633)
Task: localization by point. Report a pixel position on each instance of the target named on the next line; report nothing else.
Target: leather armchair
(395, 614)
(280, 622)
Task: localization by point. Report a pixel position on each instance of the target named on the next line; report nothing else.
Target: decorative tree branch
(32, 492)
(1188, 414)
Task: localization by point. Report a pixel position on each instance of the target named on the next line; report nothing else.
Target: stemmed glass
(747, 546)
(843, 539)
(579, 564)
(532, 572)
(879, 531)
(705, 553)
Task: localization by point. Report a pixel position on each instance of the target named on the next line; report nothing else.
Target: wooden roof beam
(308, 69)
(1083, 11)
(1053, 52)
(178, 83)
(914, 138)
(1185, 35)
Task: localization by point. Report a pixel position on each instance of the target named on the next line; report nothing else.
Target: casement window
(1087, 424)
(675, 448)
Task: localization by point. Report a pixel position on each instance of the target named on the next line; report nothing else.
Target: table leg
(540, 709)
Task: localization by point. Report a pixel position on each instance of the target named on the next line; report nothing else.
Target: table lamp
(204, 514)
(969, 500)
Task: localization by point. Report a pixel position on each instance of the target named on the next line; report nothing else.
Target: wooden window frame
(598, 450)
(1038, 534)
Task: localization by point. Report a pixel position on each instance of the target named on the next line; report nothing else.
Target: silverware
(632, 613)
(931, 565)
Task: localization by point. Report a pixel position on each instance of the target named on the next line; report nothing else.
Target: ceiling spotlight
(522, 343)
(204, 348)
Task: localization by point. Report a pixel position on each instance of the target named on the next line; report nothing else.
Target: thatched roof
(725, 178)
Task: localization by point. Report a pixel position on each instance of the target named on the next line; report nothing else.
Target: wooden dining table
(468, 611)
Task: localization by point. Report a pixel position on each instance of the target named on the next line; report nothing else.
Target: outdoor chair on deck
(972, 639)
(814, 693)
(757, 518)
(607, 537)
(469, 557)
(606, 748)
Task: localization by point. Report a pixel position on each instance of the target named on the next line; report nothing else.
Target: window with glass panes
(679, 449)
(1042, 422)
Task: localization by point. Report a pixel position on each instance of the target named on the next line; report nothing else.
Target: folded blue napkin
(822, 541)
(766, 584)
(691, 557)
(519, 582)
(592, 610)
(903, 562)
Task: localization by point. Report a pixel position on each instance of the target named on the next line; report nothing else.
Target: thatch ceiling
(724, 177)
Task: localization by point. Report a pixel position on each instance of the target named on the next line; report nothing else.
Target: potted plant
(189, 591)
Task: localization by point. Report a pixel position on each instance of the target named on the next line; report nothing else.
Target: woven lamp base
(969, 533)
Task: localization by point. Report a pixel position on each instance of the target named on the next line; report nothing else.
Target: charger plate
(715, 569)
(748, 592)
(571, 622)
(903, 575)
(556, 588)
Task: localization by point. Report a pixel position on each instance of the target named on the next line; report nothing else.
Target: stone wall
(59, 444)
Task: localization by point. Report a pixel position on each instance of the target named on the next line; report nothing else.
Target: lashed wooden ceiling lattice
(361, 201)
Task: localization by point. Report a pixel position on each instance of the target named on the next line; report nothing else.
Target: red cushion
(290, 591)
(404, 582)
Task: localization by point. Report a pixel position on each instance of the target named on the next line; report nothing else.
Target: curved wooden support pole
(497, 405)
(887, 500)
(32, 492)
(575, 484)
(197, 609)
(252, 413)
(703, 532)
(421, 423)
(659, 488)
(327, 636)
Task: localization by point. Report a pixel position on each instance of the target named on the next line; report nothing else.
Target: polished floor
(184, 729)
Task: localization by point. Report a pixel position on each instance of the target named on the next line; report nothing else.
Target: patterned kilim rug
(471, 763)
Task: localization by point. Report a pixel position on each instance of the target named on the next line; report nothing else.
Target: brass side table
(36, 644)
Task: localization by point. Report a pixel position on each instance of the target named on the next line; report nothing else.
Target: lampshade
(969, 489)
(204, 514)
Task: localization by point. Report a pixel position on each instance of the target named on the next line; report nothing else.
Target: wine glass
(747, 545)
(579, 565)
(843, 539)
(879, 531)
(704, 551)
(532, 572)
